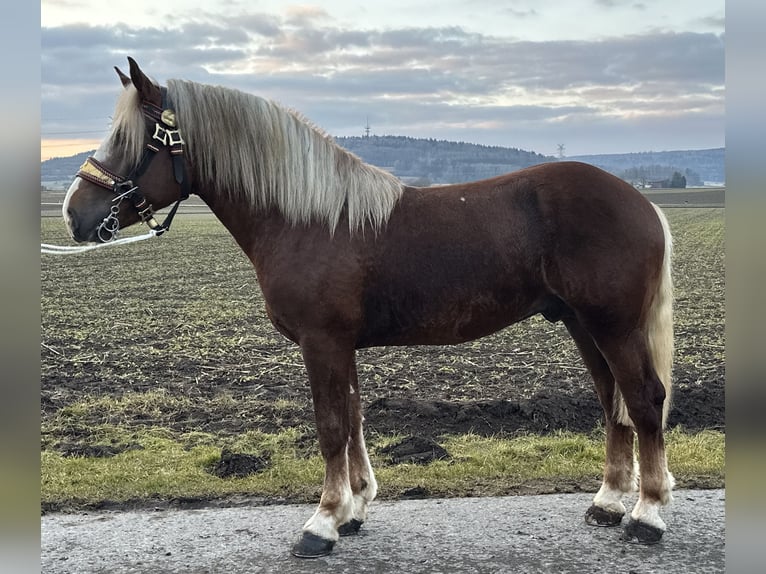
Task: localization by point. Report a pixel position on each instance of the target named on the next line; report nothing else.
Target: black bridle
(165, 136)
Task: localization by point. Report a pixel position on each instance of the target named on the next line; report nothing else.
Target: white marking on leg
(648, 512)
(621, 410)
(608, 498)
(325, 523)
(636, 475)
(372, 485)
(666, 492)
(360, 507)
(368, 493)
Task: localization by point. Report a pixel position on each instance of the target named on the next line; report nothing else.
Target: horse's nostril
(74, 225)
(72, 219)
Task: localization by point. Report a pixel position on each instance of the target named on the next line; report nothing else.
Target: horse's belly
(405, 322)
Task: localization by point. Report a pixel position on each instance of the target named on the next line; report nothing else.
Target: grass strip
(163, 466)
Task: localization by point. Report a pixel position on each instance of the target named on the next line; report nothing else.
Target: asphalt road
(519, 534)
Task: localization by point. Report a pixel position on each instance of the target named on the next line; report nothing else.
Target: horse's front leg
(362, 478)
(328, 365)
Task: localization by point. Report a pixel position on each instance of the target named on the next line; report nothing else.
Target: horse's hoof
(641, 533)
(597, 516)
(350, 528)
(312, 546)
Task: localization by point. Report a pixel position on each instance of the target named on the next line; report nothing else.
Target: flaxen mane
(244, 144)
(128, 136)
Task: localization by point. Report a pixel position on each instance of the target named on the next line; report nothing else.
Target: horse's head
(138, 168)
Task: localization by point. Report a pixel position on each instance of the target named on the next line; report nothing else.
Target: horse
(348, 257)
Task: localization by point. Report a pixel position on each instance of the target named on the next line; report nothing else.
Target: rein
(49, 249)
(92, 170)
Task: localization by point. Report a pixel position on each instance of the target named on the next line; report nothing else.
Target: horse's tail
(659, 328)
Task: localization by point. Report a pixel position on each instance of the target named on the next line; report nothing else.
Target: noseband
(165, 135)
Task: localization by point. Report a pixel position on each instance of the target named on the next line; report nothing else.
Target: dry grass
(162, 466)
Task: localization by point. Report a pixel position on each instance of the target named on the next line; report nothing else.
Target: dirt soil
(427, 392)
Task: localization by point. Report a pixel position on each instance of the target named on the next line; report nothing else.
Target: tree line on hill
(424, 161)
(439, 161)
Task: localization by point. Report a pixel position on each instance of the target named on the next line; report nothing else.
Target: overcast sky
(599, 76)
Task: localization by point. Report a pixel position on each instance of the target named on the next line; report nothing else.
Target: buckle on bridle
(146, 213)
(167, 137)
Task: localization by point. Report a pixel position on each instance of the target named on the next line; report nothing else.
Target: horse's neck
(254, 229)
(240, 219)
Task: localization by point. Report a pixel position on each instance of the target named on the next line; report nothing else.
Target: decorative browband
(94, 172)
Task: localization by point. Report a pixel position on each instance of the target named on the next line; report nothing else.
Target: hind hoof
(350, 528)
(597, 516)
(312, 546)
(641, 533)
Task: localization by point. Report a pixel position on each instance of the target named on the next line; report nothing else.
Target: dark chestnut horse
(349, 257)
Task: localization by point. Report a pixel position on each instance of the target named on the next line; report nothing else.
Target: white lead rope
(49, 249)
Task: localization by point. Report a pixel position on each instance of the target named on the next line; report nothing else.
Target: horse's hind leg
(620, 467)
(644, 396)
(363, 484)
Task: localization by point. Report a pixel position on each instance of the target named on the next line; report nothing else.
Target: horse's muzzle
(80, 230)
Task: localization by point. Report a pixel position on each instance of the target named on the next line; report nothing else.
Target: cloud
(432, 79)
(304, 14)
(522, 13)
(619, 4)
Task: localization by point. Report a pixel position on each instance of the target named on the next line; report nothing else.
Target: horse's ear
(123, 78)
(148, 90)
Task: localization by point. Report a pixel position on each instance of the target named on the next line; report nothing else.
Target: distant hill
(439, 161)
(60, 171)
(708, 164)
